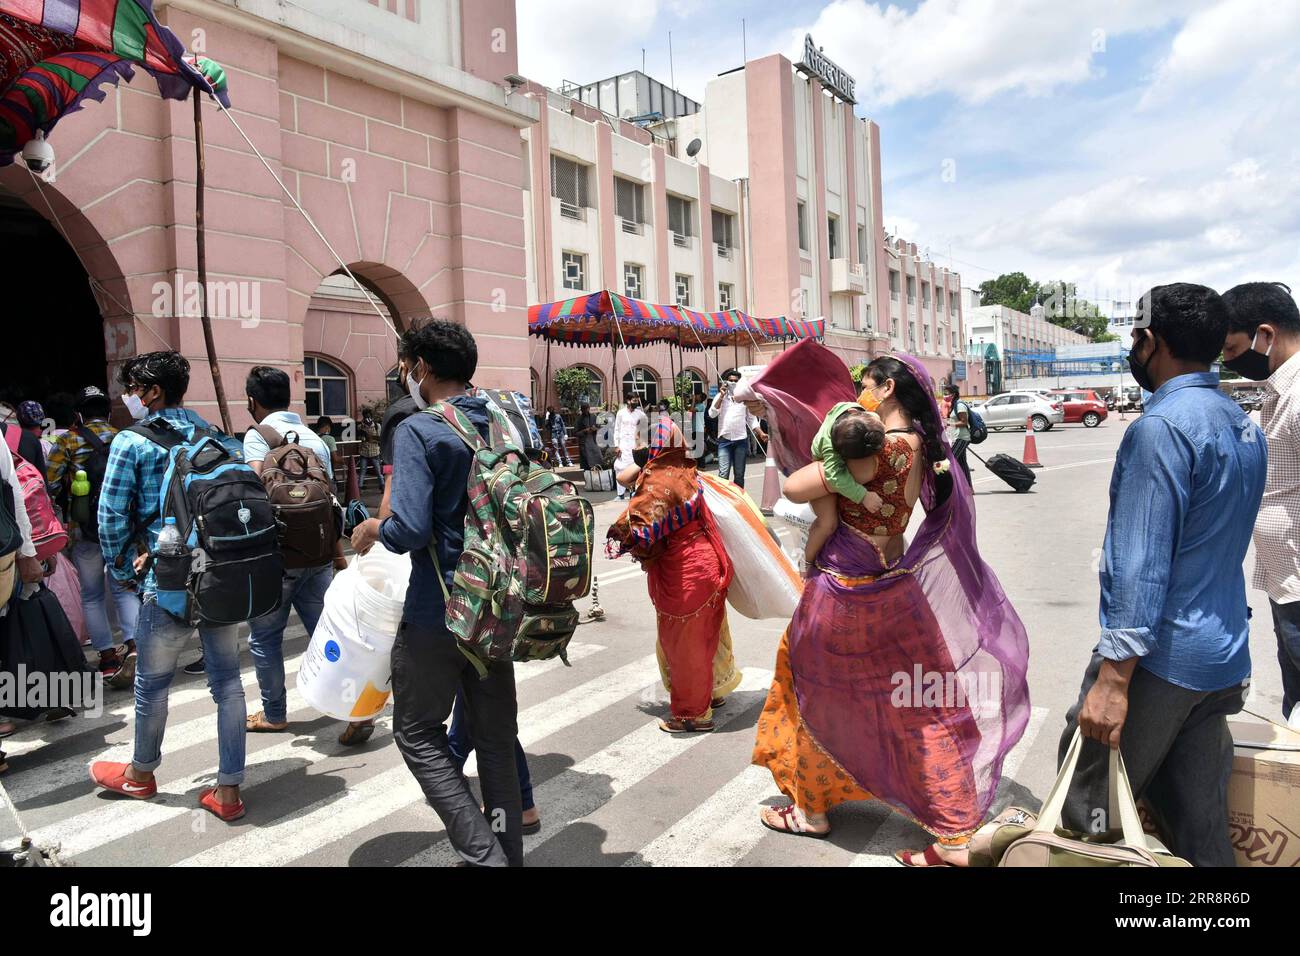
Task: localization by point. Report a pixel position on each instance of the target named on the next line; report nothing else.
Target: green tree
(571, 384)
(1015, 290)
(1063, 306)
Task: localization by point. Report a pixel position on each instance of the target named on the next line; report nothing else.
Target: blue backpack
(975, 422)
(231, 569)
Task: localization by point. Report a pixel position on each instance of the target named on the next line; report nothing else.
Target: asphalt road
(611, 788)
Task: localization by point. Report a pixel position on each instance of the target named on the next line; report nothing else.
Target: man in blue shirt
(304, 588)
(427, 503)
(1173, 660)
(154, 386)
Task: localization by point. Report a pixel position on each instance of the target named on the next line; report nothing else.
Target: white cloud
(976, 49)
(580, 40)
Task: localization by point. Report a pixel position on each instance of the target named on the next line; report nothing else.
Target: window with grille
(679, 216)
(633, 280)
(569, 186)
(683, 289)
(575, 270)
(724, 296)
(327, 389)
(644, 383)
(629, 203)
(802, 212)
(724, 237)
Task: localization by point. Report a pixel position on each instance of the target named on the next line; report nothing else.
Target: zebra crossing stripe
(327, 821)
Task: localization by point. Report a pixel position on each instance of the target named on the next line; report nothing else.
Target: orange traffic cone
(771, 486)
(1031, 447)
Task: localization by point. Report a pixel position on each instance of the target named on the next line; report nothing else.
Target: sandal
(793, 822)
(258, 724)
(356, 734)
(679, 725)
(8, 729)
(718, 703)
(930, 855)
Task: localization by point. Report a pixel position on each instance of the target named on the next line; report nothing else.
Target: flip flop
(786, 813)
(678, 725)
(930, 855)
(258, 724)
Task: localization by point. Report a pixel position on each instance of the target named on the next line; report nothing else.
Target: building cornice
(309, 39)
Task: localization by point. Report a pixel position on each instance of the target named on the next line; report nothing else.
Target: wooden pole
(199, 238)
(546, 385)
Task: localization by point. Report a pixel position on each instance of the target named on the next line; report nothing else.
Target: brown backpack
(298, 487)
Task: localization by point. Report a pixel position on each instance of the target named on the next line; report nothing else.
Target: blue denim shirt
(1183, 496)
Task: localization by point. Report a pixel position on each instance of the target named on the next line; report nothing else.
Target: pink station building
(449, 186)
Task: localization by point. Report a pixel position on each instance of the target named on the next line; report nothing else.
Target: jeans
(461, 741)
(159, 640)
(304, 591)
(370, 464)
(959, 447)
(428, 670)
(89, 561)
(732, 455)
(1178, 753)
(560, 451)
(1286, 623)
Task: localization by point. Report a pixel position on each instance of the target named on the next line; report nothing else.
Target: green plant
(571, 384)
(857, 371)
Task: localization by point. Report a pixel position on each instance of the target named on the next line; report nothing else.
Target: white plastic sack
(766, 584)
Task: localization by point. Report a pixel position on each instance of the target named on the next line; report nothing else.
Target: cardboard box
(1264, 793)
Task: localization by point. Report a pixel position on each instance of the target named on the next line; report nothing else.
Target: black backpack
(94, 468)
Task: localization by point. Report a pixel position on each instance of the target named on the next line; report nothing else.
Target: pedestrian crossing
(611, 787)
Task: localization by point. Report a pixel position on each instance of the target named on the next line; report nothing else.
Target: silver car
(1011, 409)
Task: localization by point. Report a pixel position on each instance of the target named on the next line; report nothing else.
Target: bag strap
(452, 417)
(272, 437)
(479, 667)
(13, 434)
(89, 436)
(1122, 804)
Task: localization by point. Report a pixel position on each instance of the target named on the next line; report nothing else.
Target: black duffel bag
(35, 634)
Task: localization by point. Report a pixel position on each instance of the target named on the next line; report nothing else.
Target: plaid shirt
(1277, 558)
(71, 451)
(132, 488)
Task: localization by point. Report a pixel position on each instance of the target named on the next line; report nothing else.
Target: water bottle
(80, 503)
(170, 544)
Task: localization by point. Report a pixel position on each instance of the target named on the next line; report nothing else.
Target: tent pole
(546, 385)
(201, 243)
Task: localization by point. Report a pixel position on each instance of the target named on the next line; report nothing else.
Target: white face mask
(413, 387)
(139, 411)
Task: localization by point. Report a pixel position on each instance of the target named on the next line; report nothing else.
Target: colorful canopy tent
(603, 318)
(56, 54)
(786, 329)
(700, 330)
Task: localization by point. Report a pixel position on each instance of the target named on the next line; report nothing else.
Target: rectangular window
(952, 302)
(683, 290)
(575, 270)
(893, 284)
(802, 211)
(633, 280)
(569, 186)
(679, 218)
(911, 290)
(629, 203)
(724, 237)
(724, 296)
(862, 245)
(925, 295)
(833, 237)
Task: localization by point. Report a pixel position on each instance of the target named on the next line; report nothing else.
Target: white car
(1011, 409)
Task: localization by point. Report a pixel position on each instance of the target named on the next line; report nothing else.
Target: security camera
(38, 154)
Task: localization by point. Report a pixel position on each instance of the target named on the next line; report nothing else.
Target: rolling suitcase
(1011, 470)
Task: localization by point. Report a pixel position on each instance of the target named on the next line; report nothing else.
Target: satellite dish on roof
(693, 148)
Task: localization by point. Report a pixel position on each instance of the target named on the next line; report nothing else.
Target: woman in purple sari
(902, 675)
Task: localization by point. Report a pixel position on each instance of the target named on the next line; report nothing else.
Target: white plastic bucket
(346, 670)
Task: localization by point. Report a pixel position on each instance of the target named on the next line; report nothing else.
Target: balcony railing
(570, 211)
(632, 227)
(724, 251)
(681, 241)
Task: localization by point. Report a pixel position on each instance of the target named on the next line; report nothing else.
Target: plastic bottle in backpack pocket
(79, 506)
(171, 558)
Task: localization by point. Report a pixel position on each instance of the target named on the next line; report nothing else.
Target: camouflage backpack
(527, 553)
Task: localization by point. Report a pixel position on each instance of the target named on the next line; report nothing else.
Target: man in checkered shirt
(1263, 343)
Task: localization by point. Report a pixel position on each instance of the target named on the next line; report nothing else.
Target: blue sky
(1113, 143)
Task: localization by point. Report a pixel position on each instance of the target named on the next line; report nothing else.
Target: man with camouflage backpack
(428, 500)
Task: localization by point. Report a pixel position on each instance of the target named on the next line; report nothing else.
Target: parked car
(1082, 405)
(1011, 409)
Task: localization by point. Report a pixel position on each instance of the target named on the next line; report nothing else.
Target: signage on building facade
(825, 69)
(959, 371)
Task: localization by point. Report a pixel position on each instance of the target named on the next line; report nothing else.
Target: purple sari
(910, 676)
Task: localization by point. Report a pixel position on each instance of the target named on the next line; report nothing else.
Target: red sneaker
(112, 776)
(229, 812)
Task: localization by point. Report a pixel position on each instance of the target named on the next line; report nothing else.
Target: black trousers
(428, 669)
(1178, 753)
(959, 452)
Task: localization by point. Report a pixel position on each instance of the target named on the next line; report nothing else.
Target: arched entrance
(64, 329)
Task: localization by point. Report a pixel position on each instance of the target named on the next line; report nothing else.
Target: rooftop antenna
(672, 76)
(643, 59)
(744, 42)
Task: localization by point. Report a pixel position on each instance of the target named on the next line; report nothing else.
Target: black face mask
(1141, 370)
(1250, 363)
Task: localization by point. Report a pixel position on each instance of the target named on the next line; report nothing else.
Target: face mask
(413, 387)
(1141, 371)
(1250, 363)
(868, 400)
(139, 411)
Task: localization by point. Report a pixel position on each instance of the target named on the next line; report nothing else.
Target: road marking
(52, 733)
(719, 832)
(330, 820)
(115, 819)
(569, 796)
(895, 832)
